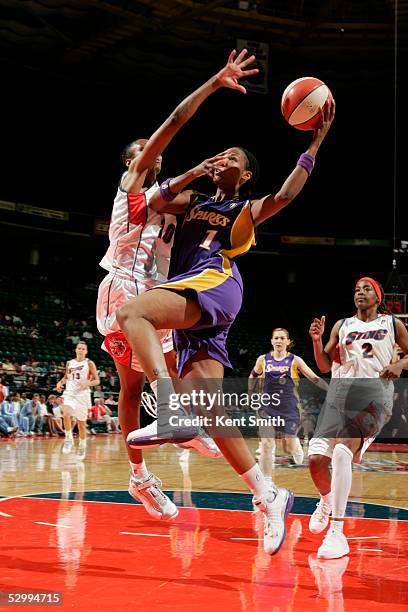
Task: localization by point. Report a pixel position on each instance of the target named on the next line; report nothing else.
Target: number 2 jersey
(365, 347)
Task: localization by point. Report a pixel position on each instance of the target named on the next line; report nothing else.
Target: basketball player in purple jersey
(137, 260)
(359, 348)
(278, 372)
(203, 298)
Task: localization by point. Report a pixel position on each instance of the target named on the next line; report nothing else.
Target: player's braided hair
(129, 151)
(252, 166)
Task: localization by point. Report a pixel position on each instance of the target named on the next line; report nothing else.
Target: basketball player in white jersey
(137, 260)
(359, 354)
(80, 375)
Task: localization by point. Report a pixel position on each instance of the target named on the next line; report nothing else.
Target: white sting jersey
(77, 373)
(365, 347)
(140, 239)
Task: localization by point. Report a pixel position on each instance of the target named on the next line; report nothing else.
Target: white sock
(82, 443)
(266, 459)
(327, 499)
(336, 526)
(68, 433)
(255, 480)
(341, 479)
(139, 469)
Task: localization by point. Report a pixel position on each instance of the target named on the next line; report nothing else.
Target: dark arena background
(81, 79)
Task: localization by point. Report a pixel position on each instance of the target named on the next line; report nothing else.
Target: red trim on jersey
(137, 208)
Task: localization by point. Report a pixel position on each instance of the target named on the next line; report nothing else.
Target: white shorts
(335, 415)
(77, 405)
(114, 291)
(325, 446)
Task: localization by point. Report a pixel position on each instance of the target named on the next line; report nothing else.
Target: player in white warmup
(358, 404)
(138, 259)
(80, 375)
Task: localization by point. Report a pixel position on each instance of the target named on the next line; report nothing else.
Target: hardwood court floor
(72, 527)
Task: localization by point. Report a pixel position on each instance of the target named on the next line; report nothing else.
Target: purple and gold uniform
(281, 376)
(213, 233)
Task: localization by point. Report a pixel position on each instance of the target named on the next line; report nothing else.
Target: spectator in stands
(33, 412)
(8, 367)
(27, 367)
(3, 391)
(110, 401)
(98, 414)
(7, 412)
(54, 416)
(6, 430)
(23, 422)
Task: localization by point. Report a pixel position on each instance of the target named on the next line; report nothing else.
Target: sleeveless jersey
(213, 233)
(140, 238)
(365, 347)
(77, 373)
(281, 376)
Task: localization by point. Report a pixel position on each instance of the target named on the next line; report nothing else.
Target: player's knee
(342, 455)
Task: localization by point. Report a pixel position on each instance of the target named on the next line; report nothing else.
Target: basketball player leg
(143, 485)
(82, 437)
(139, 319)
(267, 451)
(335, 543)
(69, 440)
(274, 502)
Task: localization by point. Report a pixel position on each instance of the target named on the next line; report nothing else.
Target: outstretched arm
(310, 375)
(268, 206)
(228, 76)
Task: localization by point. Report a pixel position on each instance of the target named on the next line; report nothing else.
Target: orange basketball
(302, 100)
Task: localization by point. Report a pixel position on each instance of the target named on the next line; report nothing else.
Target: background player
(203, 298)
(359, 348)
(137, 260)
(278, 372)
(80, 375)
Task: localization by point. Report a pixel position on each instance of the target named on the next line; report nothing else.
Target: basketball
(302, 100)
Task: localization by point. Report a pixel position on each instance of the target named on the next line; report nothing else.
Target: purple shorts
(220, 298)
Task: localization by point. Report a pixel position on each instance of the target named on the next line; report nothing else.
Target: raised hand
(208, 166)
(234, 70)
(316, 329)
(327, 114)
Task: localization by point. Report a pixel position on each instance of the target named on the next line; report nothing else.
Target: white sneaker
(81, 452)
(203, 444)
(148, 491)
(320, 517)
(334, 545)
(275, 505)
(185, 437)
(67, 447)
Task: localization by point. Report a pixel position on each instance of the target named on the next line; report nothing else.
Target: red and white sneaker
(148, 491)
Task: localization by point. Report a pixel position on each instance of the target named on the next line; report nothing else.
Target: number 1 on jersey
(208, 240)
